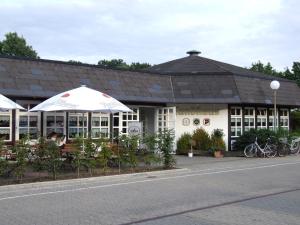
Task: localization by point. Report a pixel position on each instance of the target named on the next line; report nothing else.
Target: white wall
(218, 115)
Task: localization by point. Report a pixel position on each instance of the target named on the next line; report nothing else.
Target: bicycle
(286, 148)
(252, 150)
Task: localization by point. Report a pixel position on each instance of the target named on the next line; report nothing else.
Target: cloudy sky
(234, 31)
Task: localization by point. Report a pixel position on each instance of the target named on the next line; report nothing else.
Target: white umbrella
(6, 104)
(82, 99)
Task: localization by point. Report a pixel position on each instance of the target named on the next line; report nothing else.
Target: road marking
(211, 206)
(148, 180)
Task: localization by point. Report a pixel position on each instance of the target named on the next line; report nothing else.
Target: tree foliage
(15, 45)
(121, 64)
(293, 74)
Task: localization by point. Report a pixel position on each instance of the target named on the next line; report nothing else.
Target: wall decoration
(185, 121)
(196, 122)
(206, 121)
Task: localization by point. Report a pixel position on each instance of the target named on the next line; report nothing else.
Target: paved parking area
(207, 191)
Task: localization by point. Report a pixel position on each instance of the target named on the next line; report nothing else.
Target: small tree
(150, 157)
(78, 154)
(165, 141)
(129, 144)
(184, 143)
(3, 166)
(40, 154)
(22, 149)
(89, 154)
(53, 161)
(202, 139)
(105, 155)
(217, 142)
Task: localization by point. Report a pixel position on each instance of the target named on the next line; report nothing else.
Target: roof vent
(193, 53)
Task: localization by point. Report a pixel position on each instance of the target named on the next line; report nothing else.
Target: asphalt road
(210, 191)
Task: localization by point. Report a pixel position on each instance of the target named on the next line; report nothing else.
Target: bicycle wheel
(271, 151)
(250, 151)
(283, 150)
(295, 147)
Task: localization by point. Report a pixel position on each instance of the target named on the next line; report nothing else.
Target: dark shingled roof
(192, 79)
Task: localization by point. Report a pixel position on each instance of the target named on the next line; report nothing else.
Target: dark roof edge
(149, 72)
(73, 64)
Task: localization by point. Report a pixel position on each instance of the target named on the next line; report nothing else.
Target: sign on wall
(135, 128)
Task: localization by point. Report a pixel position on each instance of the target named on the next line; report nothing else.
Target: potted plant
(217, 143)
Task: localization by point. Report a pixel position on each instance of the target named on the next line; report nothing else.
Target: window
(249, 119)
(236, 121)
(5, 125)
(127, 117)
(76, 122)
(54, 122)
(166, 118)
(284, 119)
(100, 125)
(271, 119)
(261, 119)
(28, 124)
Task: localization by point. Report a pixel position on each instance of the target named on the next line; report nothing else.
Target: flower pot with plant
(217, 143)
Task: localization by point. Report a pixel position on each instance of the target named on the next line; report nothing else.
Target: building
(183, 94)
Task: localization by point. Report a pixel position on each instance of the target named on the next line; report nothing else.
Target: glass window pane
(95, 121)
(72, 132)
(5, 133)
(33, 120)
(73, 121)
(95, 133)
(238, 122)
(134, 117)
(23, 121)
(50, 121)
(4, 121)
(116, 121)
(104, 132)
(104, 121)
(60, 121)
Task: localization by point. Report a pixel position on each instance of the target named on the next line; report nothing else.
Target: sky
(234, 31)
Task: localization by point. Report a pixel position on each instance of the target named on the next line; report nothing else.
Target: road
(208, 191)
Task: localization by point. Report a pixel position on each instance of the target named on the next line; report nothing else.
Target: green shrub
(249, 137)
(165, 140)
(202, 139)
(184, 143)
(217, 142)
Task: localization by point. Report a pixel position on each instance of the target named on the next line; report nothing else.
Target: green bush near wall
(202, 139)
(183, 144)
(249, 137)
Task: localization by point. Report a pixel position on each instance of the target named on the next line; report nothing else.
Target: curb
(84, 180)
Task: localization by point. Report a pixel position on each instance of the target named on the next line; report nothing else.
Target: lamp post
(275, 85)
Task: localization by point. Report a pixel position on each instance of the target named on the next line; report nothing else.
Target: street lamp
(275, 85)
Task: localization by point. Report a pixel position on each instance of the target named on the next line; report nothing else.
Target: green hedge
(183, 143)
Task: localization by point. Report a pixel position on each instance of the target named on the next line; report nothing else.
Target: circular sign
(196, 122)
(185, 121)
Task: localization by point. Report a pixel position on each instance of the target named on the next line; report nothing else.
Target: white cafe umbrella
(6, 104)
(82, 99)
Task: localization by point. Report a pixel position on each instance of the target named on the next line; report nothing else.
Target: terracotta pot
(218, 154)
